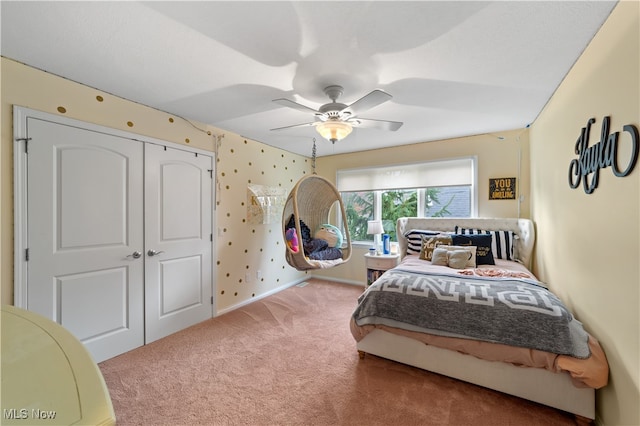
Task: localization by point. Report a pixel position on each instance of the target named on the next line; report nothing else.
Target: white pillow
(471, 263)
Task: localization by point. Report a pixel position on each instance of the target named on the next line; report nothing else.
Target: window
(435, 189)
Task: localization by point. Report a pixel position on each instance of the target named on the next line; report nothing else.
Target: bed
(496, 310)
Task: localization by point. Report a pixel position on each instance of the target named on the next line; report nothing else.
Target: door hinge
(211, 237)
(210, 173)
(26, 143)
(212, 300)
(26, 255)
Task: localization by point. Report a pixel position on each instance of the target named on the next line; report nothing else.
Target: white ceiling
(454, 68)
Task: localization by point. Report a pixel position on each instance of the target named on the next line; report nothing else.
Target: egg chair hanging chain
(313, 156)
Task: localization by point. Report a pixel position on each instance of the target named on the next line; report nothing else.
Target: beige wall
(241, 249)
(245, 248)
(588, 245)
(496, 157)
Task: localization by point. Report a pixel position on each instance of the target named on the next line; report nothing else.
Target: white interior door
(85, 222)
(178, 240)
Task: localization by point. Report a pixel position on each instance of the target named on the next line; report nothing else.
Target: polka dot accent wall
(251, 257)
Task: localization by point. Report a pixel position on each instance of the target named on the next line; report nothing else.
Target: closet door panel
(178, 240)
(85, 220)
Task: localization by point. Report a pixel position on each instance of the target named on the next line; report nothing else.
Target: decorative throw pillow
(458, 258)
(414, 239)
(502, 244)
(430, 243)
(330, 234)
(471, 260)
(484, 254)
(440, 256)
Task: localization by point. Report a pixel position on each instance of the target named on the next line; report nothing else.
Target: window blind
(459, 171)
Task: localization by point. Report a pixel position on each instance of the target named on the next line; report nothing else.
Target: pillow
(502, 245)
(414, 239)
(429, 243)
(471, 262)
(453, 257)
(440, 256)
(330, 234)
(458, 258)
(484, 254)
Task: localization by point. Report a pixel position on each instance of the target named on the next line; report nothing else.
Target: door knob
(152, 252)
(135, 255)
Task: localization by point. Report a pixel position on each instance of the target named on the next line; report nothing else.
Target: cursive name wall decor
(601, 155)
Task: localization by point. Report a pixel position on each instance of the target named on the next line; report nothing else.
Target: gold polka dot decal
(99, 98)
(62, 110)
(130, 123)
(171, 120)
(187, 140)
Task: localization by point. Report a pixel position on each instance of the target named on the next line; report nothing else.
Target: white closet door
(85, 223)
(178, 240)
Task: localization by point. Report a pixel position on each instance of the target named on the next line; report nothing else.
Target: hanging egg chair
(307, 210)
(318, 244)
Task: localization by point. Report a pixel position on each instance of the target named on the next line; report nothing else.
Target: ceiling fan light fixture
(334, 130)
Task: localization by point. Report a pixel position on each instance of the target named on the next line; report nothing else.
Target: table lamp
(374, 227)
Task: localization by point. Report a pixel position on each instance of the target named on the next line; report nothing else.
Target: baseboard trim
(260, 296)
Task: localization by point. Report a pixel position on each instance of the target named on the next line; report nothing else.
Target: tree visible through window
(389, 205)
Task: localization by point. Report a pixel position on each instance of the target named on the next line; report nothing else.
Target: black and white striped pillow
(501, 244)
(414, 239)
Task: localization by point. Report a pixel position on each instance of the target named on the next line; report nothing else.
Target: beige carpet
(290, 359)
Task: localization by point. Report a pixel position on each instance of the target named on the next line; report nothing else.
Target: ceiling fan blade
(376, 124)
(366, 102)
(296, 125)
(291, 104)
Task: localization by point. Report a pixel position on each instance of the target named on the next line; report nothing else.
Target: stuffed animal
(292, 239)
(330, 234)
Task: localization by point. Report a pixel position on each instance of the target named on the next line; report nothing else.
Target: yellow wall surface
(504, 154)
(249, 251)
(241, 250)
(588, 245)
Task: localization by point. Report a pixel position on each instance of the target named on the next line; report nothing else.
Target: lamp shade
(333, 130)
(374, 227)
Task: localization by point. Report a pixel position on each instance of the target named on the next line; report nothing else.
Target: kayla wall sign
(591, 159)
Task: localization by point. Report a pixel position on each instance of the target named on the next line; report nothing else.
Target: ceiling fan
(335, 120)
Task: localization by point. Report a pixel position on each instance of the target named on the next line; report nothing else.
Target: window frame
(421, 194)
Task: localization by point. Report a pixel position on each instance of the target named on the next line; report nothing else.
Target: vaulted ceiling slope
(453, 68)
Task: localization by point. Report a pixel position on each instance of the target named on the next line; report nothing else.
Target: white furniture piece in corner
(48, 376)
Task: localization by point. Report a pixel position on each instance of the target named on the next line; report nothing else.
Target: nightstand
(377, 264)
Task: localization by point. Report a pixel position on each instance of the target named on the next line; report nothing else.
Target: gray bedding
(512, 311)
